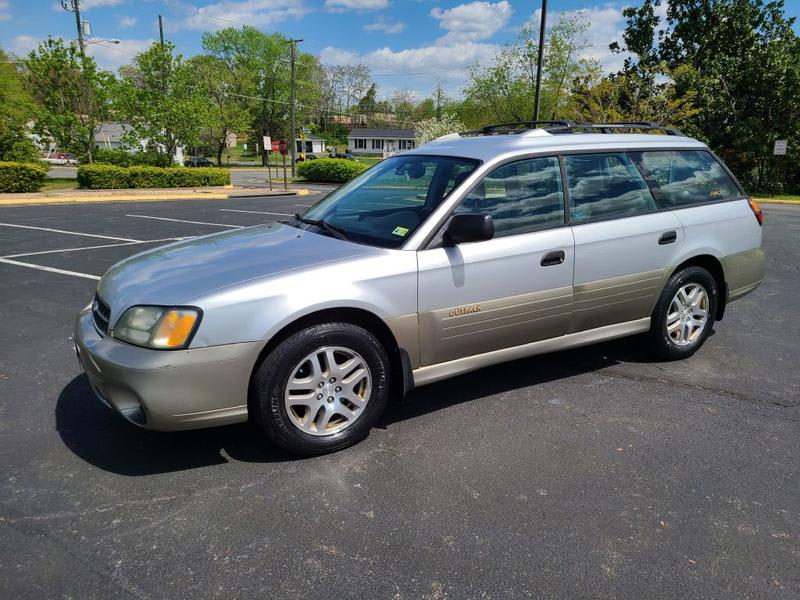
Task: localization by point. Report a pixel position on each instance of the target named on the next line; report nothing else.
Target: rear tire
(684, 315)
(321, 389)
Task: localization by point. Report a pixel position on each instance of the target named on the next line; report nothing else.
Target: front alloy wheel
(327, 390)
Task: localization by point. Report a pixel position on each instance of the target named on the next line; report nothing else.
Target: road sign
(283, 147)
(267, 141)
(780, 148)
(276, 146)
(306, 130)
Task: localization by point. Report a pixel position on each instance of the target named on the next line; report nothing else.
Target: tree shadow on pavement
(104, 439)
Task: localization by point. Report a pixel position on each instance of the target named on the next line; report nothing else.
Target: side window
(521, 196)
(606, 185)
(687, 176)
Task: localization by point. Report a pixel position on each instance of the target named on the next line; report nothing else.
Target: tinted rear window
(687, 177)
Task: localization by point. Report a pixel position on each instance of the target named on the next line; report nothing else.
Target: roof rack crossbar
(566, 126)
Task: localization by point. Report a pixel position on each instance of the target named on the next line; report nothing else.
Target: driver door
(507, 291)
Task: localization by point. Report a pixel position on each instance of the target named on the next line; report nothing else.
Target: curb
(777, 201)
(87, 199)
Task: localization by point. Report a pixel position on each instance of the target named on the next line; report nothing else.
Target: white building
(381, 142)
(111, 136)
(313, 145)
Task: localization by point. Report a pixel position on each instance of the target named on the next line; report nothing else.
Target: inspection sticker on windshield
(401, 231)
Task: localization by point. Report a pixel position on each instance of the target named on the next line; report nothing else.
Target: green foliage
(21, 177)
(159, 98)
(71, 95)
(739, 62)
(16, 109)
(123, 158)
(97, 177)
(334, 170)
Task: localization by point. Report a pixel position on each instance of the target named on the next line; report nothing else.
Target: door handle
(553, 258)
(667, 238)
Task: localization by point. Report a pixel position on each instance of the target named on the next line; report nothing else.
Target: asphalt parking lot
(590, 473)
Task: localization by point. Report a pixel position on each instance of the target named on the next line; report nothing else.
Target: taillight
(756, 211)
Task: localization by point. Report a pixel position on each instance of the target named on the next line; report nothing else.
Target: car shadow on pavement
(100, 437)
(104, 439)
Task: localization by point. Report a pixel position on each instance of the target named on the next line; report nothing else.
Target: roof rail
(571, 127)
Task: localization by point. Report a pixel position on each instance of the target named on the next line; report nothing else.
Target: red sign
(283, 146)
(276, 147)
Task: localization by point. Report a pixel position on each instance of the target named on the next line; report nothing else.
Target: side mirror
(469, 227)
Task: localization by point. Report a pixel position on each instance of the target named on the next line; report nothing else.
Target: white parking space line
(257, 212)
(184, 221)
(49, 269)
(93, 235)
(91, 247)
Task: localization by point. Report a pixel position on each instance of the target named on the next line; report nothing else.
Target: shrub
(335, 170)
(110, 177)
(21, 177)
(123, 158)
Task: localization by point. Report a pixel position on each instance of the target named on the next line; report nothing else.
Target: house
(111, 136)
(313, 145)
(382, 142)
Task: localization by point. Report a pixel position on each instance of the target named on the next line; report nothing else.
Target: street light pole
(74, 6)
(293, 125)
(540, 61)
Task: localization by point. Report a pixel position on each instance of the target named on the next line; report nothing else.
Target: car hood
(180, 272)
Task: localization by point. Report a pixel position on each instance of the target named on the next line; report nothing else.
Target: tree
(740, 59)
(226, 109)
(16, 109)
(430, 129)
(504, 90)
(158, 95)
(71, 94)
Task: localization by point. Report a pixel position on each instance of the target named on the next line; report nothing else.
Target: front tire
(321, 389)
(684, 315)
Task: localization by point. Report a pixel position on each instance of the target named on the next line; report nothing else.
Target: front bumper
(167, 390)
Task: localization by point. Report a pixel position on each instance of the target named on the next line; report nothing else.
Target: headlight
(158, 327)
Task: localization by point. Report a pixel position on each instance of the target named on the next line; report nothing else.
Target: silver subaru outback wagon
(471, 250)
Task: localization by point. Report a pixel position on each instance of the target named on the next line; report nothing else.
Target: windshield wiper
(335, 231)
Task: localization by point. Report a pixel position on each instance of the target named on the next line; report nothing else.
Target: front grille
(101, 313)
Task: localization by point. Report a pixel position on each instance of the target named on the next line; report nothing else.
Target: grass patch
(369, 160)
(783, 197)
(60, 183)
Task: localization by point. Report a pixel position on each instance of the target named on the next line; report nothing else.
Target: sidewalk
(142, 195)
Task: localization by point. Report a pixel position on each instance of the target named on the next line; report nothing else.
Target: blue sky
(408, 44)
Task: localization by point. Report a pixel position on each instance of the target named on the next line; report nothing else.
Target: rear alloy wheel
(684, 315)
(321, 389)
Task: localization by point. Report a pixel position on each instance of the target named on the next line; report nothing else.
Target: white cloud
(342, 5)
(4, 14)
(22, 44)
(90, 4)
(258, 13)
(112, 56)
(473, 21)
(607, 24)
(381, 24)
(126, 22)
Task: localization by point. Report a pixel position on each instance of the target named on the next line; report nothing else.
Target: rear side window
(687, 176)
(604, 186)
(521, 196)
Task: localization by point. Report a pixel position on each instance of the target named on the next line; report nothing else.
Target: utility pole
(293, 125)
(438, 100)
(74, 6)
(161, 30)
(539, 62)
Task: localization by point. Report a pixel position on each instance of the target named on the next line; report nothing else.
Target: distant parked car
(302, 157)
(197, 161)
(61, 158)
(345, 155)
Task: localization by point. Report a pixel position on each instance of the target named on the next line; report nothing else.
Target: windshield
(385, 204)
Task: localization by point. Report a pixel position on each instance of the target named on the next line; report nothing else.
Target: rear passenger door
(623, 245)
